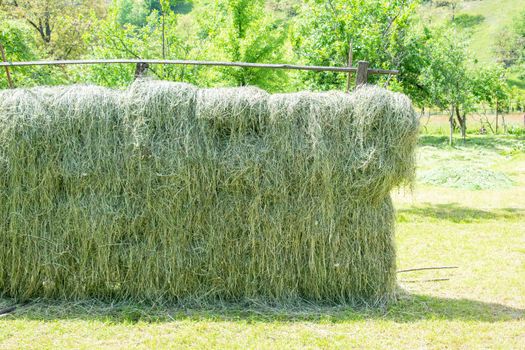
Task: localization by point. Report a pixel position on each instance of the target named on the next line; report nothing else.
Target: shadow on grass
(489, 142)
(410, 308)
(456, 213)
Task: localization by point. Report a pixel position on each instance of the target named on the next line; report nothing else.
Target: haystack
(169, 192)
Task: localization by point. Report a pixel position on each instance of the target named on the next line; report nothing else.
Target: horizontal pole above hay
(196, 63)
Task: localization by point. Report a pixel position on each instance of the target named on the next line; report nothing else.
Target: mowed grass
(481, 304)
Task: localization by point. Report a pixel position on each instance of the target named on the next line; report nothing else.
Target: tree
(59, 24)
(19, 45)
(451, 4)
(447, 77)
(132, 12)
(243, 33)
(324, 31)
(510, 42)
(135, 12)
(110, 39)
(490, 86)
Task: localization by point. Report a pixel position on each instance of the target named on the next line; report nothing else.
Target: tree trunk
(497, 116)
(462, 121)
(464, 127)
(451, 120)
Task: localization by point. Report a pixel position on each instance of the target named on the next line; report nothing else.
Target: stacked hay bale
(170, 192)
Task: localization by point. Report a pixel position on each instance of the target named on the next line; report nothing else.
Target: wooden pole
(196, 63)
(362, 73)
(9, 80)
(141, 69)
(350, 59)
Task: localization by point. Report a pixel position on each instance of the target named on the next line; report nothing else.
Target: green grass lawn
(481, 304)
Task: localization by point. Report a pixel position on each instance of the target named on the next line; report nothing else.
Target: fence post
(9, 80)
(362, 73)
(141, 69)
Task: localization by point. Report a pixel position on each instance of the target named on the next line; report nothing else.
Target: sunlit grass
(478, 305)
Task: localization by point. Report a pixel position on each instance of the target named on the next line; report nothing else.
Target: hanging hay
(171, 193)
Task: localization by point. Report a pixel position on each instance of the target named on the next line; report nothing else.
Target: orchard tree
(58, 24)
(324, 31)
(159, 36)
(240, 31)
(19, 45)
(447, 77)
(132, 12)
(490, 87)
(453, 5)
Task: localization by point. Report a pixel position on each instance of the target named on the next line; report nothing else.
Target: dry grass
(167, 192)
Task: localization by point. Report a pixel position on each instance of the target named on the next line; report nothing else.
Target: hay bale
(169, 192)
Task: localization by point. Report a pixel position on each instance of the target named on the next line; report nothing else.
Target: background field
(479, 305)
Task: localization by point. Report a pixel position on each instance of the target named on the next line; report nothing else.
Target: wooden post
(350, 59)
(362, 73)
(9, 80)
(141, 69)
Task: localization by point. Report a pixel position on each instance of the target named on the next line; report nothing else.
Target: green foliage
(465, 20)
(324, 30)
(242, 32)
(389, 35)
(519, 24)
(135, 12)
(132, 12)
(446, 74)
(167, 5)
(58, 25)
(19, 45)
(112, 40)
(16, 40)
(489, 85)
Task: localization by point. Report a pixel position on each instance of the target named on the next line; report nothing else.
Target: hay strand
(169, 192)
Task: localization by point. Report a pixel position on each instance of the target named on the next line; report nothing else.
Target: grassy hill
(483, 19)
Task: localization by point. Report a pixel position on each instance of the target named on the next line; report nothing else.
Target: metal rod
(428, 268)
(195, 63)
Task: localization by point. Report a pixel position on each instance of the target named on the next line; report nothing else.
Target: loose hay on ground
(170, 192)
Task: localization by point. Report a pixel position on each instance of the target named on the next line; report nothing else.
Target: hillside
(484, 20)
